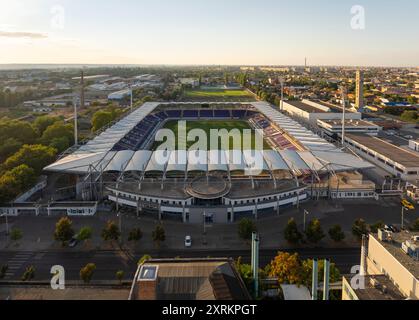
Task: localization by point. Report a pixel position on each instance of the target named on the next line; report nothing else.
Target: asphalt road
(109, 262)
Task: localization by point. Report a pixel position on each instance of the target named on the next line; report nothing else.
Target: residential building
(390, 265)
(188, 279)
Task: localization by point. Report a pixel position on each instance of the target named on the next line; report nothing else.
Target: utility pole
(306, 213)
(403, 210)
(282, 94)
(255, 262)
(130, 88)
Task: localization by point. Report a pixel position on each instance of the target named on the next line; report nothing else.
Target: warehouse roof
(388, 150)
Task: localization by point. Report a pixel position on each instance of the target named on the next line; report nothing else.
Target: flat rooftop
(195, 279)
(379, 287)
(388, 150)
(240, 188)
(349, 123)
(305, 107)
(395, 249)
(334, 108)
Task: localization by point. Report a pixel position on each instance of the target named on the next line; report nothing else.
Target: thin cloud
(15, 34)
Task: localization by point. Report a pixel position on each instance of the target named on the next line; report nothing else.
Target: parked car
(73, 242)
(188, 241)
(408, 137)
(408, 205)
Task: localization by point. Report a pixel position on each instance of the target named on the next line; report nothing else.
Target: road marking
(16, 263)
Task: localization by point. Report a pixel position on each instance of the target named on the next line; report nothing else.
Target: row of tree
(26, 148)
(64, 232)
(314, 232)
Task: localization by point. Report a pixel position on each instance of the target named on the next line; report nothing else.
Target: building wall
(347, 292)
(388, 165)
(313, 117)
(380, 261)
(414, 145)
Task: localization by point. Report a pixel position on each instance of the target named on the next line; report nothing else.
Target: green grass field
(219, 95)
(207, 126)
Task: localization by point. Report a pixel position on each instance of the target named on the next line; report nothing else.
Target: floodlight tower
(130, 89)
(281, 80)
(343, 92)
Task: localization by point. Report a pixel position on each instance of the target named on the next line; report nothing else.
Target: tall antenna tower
(343, 92)
(76, 139)
(82, 90)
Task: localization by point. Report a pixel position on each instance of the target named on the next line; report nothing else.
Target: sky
(210, 32)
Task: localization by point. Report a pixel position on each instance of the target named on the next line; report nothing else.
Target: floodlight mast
(282, 94)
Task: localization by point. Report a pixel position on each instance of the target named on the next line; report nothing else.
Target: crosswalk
(16, 263)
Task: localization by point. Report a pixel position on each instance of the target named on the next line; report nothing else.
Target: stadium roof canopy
(97, 154)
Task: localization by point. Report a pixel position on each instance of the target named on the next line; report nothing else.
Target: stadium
(125, 164)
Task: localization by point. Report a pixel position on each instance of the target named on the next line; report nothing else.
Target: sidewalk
(38, 231)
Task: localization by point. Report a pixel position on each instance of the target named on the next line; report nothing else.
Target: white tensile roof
(97, 155)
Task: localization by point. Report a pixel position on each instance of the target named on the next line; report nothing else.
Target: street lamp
(403, 210)
(306, 213)
(7, 223)
(119, 215)
(205, 225)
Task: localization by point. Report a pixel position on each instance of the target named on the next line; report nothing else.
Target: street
(109, 262)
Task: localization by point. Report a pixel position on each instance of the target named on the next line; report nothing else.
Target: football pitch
(219, 94)
(207, 126)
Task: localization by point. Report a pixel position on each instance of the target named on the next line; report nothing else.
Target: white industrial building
(119, 95)
(312, 111)
(334, 127)
(414, 145)
(395, 160)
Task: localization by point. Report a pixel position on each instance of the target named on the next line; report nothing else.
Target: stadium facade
(215, 185)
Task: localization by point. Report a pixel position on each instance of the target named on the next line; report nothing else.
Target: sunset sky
(268, 32)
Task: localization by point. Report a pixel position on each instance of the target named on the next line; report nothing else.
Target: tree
(85, 234)
(159, 235)
(29, 274)
(60, 144)
(86, 273)
(376, 226)
(120, 276)
(8, 148)
(314, 232)
(100, 119)
(58, 130)
(64, 230)
(410, 116)
(291, 233)
(415, 226)
(3, 271)
(135, 235)
(336, 233)
(36, 157)
(286, 268)
(111, 232)
(307, 267)
(16, 234)
(16, 181)
(246, 229)
(359, 228)
(43, 122)
(21, 131)
(143, 259)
